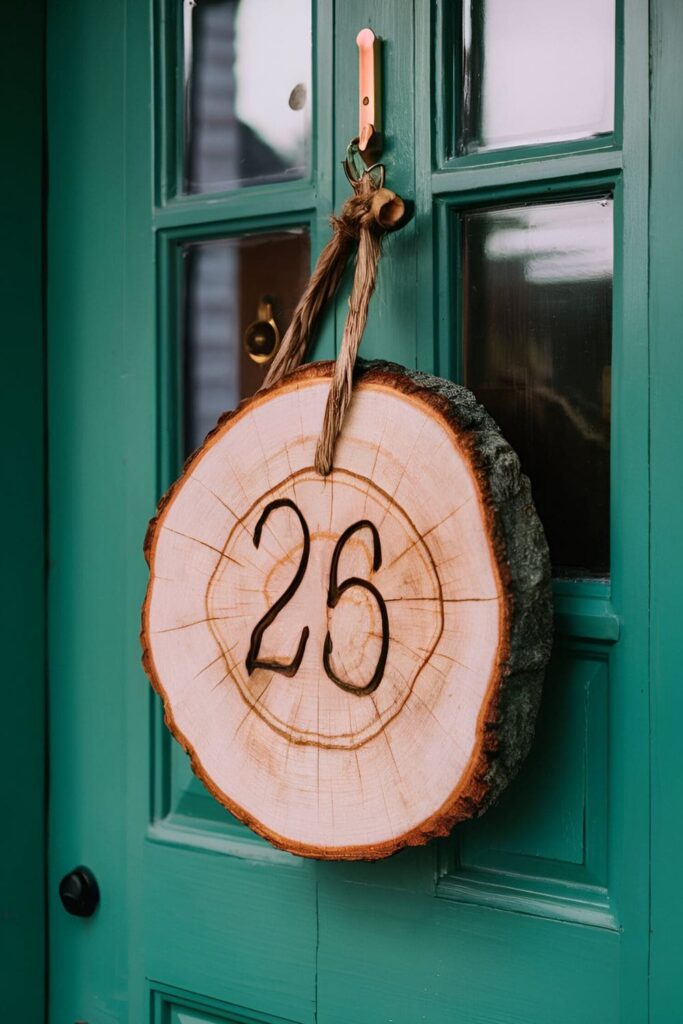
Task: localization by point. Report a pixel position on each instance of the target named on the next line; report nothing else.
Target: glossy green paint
(22, 522)
(517, 920)
(504, 864)
(666, 318)
(91, 539)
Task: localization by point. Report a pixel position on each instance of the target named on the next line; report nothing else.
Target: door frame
(22, 518)
(665, 269)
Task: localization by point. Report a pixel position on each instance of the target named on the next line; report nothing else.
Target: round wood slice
(353, 663)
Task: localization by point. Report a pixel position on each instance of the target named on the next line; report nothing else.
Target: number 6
(334, 595)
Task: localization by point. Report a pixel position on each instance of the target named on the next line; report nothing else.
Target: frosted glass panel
(247, 92)
(536, 71)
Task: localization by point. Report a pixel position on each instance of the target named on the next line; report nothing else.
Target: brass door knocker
(262, 337)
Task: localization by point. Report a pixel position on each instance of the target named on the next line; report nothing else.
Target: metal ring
(354, 167)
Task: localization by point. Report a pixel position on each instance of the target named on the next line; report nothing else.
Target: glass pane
(537, 323)
(247, 83)
(225, 283)
(536, 71)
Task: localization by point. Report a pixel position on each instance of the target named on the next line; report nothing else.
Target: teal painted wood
(410, 958)
(519, 922)
(628, 852)
(666, 317)
(89, 539)
(140, 442)
(22, 564)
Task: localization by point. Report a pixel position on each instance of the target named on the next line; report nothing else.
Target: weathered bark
(353, 663)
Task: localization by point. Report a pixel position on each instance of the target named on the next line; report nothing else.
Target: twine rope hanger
(365, 218)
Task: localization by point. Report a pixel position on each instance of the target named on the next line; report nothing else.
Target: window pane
(537, 318)
(536, 71)
(225, 282)
(247, 103)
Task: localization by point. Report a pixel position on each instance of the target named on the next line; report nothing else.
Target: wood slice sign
(353, 662)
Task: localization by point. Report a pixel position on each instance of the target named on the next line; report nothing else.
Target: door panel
(233, 923)
(558, 810)
(415, 958)
(538, 911)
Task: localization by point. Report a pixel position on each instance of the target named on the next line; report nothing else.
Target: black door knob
(79, 892)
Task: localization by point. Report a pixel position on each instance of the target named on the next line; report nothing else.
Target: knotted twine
(364, 219)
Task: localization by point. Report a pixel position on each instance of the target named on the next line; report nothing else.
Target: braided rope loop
(364, 220)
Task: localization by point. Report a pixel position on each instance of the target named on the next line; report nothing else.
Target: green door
(195, 156)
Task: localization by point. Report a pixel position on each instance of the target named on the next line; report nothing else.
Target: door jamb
(22, 518)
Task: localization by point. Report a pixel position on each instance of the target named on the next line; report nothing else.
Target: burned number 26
(334, 594)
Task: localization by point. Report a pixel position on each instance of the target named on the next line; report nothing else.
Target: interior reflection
(225, 282)
(536, 71)
(247, 71)
(537, 312)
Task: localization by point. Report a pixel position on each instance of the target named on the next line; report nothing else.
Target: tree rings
(353, 662)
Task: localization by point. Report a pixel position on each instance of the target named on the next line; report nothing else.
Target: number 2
(261, 626)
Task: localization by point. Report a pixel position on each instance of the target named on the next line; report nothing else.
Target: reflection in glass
(536, 71)
(247, 92)
(224, 283)
(537, 317)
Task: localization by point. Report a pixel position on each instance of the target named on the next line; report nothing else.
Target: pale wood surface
(314, 766)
